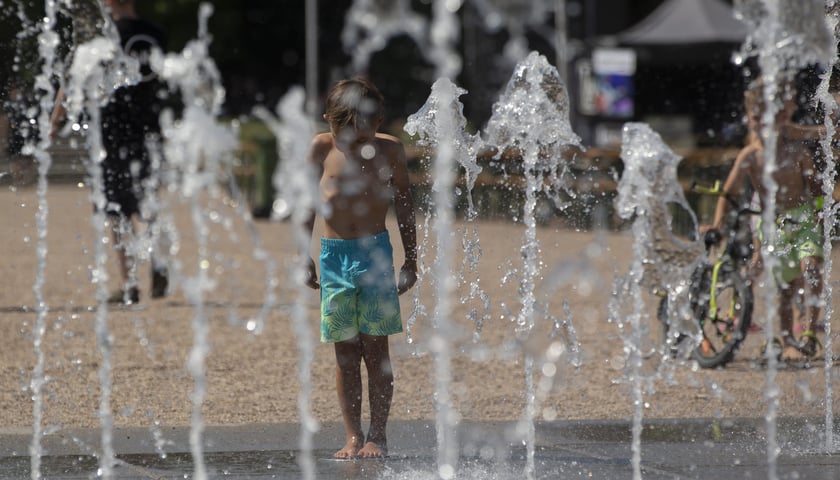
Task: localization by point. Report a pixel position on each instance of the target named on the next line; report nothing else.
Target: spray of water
(199, 149)
(516, 17)
(296, 186)
(98, 68)
(788, 36)
(370, 24)
(826, 95)
(48, 39)
(442, 124)
(532, 117)
(647, 189)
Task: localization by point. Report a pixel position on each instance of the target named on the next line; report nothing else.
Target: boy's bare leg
(380, 393)
(812, 293)
(812, 270)
(787, 304)
(348, 381)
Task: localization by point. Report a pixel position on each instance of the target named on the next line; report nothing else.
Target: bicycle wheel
(723, 309)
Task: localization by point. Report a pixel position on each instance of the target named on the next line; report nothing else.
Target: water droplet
(368, 152)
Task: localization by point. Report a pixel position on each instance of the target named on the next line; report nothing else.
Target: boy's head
(354, 106)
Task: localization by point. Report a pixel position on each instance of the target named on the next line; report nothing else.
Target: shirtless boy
(361, 173)
(799, 247)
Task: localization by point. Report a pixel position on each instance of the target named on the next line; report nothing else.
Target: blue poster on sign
(614, 95)
(613, 70)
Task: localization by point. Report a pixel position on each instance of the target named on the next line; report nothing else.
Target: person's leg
(789, 278)
(159, 238)
(348, 380)
(812, 272)
(155, 232)
(380, 393)
(812, 292)
(788, 295)
(122, 231)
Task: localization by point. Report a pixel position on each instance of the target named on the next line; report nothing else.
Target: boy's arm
(404, 209)
(310, 274)
(734, 183)
(795, 131)
(315, 164)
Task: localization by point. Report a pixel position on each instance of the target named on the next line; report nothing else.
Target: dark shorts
(124, 170)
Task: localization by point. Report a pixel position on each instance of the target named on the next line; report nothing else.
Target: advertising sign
(613, 70)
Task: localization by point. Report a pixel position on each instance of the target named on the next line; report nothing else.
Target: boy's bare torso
(795, 174)
(357, 191)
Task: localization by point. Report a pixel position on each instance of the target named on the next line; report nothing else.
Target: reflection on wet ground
(671, 449)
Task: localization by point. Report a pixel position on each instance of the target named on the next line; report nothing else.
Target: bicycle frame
(719, 282)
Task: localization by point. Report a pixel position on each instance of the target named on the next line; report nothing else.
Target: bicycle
(720, 296)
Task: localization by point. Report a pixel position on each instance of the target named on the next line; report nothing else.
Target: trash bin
(265, 160)
(266, 164)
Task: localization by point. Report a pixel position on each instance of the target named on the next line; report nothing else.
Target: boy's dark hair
(356, 102)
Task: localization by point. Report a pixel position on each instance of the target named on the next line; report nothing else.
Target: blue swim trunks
(358, 289)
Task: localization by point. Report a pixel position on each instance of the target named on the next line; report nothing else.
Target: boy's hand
(311, 276)
(408, 277)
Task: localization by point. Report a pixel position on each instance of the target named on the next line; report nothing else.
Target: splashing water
(540, 149)
(828, 100)
(370, 24)
(788, 36)
(198, 151)
(532, 117)
(295, 182)
(444, 37)
(99, 67)
(200, 148)
(442, 124)
(48, 39)
(647, 187)
(516, 16)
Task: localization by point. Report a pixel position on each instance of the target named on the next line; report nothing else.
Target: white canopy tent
(681, 22)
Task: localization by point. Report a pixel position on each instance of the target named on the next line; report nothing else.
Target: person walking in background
(130, 124)
(361, 173)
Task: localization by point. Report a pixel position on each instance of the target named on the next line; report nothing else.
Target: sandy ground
(252, 364)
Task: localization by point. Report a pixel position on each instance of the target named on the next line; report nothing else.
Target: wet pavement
(670, 449)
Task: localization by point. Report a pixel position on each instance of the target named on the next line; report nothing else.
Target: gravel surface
(252, 364)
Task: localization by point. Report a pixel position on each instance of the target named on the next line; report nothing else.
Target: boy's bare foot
(791, 354)
(373, 450)
(351, 448)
